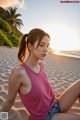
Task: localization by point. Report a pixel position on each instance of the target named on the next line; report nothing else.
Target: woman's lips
(44, 55)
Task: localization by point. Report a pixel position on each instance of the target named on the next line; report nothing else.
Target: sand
(62, 72)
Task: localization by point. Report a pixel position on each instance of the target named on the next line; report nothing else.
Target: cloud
(7, 3)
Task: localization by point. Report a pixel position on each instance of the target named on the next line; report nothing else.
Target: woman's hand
(13, 87)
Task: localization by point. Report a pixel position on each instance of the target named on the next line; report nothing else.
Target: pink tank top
(41, 97)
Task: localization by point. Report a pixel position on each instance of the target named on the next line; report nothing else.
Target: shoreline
(61, 71)
(64, 55)
(52, 52)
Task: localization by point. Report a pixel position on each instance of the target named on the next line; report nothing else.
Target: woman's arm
(14, 85)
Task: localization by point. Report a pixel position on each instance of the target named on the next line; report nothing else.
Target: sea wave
(75, 54)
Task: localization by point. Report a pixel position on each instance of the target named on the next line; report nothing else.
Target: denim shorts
(54, 109)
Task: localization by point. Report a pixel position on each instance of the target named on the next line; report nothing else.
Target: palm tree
(12, 17)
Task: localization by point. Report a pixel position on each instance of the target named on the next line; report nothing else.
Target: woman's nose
(45, 49)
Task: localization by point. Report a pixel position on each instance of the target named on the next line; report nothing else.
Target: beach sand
(62, 72)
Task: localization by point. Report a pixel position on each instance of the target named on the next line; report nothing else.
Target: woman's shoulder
(18, 77)
(17, 72)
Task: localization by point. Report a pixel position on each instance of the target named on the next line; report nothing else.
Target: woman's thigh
(69, 96)
(66, 116)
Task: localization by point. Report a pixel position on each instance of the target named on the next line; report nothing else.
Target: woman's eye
(48, 45)
(41, 45)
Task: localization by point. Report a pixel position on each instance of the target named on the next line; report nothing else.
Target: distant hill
(2, 12)
(8, 37)
(16, 32)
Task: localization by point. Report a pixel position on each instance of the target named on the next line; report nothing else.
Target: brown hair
(32, 37)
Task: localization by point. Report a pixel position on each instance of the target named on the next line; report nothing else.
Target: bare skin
(66, 116)
(23, 84)
(66, 100)
(20, 82)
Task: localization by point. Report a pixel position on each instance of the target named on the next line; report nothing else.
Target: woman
(31, 82)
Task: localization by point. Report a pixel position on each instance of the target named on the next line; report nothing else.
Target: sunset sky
(60, 20)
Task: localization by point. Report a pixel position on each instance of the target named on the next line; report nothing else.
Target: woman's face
(41, 51)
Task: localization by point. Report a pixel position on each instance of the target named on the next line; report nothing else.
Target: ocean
(75, 54)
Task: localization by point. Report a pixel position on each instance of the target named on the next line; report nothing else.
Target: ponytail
(22, 48)
(33, 36)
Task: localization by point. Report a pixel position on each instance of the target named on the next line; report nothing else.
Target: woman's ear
(30, 47)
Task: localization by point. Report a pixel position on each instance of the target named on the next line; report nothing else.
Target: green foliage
(13, 39)
(12, 17)
(1, 42)
(5, 26)
(9, 24)
(16, 32)
(2, 13)
(4, 39)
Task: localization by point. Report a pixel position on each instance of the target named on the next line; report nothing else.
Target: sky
(60, 19)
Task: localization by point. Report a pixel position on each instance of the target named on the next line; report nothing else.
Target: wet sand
(62, 72)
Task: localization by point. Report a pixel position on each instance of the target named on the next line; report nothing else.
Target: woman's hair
(31, 37)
